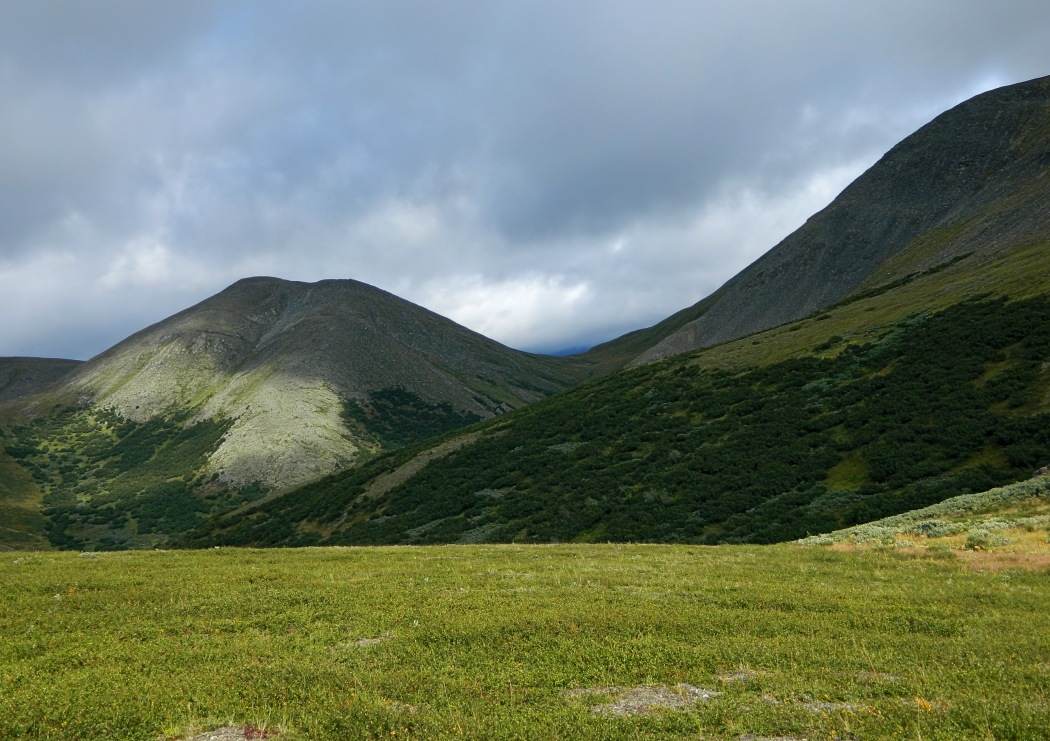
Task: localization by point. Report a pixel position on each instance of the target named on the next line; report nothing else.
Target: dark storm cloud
(548, 173)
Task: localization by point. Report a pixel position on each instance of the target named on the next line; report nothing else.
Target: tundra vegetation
(559, 641)
(1010, 519)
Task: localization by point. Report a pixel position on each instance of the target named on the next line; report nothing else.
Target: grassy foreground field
(726, 642)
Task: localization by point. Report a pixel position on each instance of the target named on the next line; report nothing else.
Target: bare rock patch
(645, 699)
(247, 732)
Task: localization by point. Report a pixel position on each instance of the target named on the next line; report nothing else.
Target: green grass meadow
(521, 642)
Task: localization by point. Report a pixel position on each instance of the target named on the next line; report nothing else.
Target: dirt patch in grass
(247, 732)
(993, 561)
(645, 699)
(740, 675)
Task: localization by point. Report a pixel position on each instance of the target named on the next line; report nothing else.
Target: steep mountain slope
(267, 385)
(924, 374)
(970, 181)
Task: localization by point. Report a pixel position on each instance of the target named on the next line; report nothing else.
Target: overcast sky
(551, 174)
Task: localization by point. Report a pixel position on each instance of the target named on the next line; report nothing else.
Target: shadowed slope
(20, 377)
(972, 180)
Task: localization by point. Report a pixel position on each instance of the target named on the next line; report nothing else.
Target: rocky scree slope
(971, 181)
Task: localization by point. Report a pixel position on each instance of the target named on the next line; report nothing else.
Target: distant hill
(968, 183)
(268, 385)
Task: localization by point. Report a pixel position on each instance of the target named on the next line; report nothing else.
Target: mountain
(892, 353)
(281, 359)
(265, 386)
(967, 183)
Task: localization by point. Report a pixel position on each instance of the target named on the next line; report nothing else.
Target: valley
(891, 353)
(812, 505)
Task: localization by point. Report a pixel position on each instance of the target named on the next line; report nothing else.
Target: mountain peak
(281, 360)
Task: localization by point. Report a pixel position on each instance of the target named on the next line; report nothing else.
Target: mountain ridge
(962, 161)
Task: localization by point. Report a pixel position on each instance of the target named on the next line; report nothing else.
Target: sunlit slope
(280, 359)
(1013, 520)
(268, 385)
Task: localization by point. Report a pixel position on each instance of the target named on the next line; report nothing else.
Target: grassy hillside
(1011, 519)
(21, 522)
(731, 642)
(903, 416)
(101, 481)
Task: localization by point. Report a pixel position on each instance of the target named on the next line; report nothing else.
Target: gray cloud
(551, 174)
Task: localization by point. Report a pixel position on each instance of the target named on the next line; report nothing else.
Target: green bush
(980, 539)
